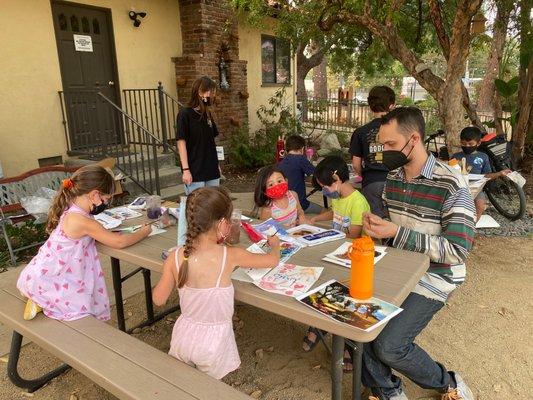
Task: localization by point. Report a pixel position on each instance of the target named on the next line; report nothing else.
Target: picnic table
(395, 277)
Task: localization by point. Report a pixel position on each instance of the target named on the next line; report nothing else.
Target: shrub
(257, 149)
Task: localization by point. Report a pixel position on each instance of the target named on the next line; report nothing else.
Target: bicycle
(507, 197)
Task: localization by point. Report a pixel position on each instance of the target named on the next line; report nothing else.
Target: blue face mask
(332, 195)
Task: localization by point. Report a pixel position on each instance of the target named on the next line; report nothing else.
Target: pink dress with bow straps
(65, 278)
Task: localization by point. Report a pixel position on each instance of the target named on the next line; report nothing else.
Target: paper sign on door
(83, 43)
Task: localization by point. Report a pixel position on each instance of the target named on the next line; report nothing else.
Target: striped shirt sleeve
(454, 242)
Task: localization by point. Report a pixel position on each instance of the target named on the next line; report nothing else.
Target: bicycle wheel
(507, 197)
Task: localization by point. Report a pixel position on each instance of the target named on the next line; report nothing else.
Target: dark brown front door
(87, 60)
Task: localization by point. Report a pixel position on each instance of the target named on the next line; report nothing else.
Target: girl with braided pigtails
(201, 270)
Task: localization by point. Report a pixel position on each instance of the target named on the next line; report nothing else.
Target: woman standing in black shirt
(196, 138)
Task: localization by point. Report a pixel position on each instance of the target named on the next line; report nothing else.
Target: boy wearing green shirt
(347, 204)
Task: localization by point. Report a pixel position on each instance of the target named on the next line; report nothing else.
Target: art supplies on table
(156, 231)
(138, 204)
(286, 249)
(182, 222)
(271, 227)
(486, 221)
(107, 221)
(324, 236)
(340, 255)
(249, 274)
(333, 300)
(289, 279)
(123, 213)
(132, 229)
(251, 232)
(303, 230)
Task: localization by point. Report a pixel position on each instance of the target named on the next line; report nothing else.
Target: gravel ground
(522, 227)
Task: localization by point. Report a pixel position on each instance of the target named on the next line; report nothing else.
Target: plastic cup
(153, 207)
(235, 230)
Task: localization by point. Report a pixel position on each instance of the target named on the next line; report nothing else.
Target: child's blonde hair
(84, 180)
(205, 207)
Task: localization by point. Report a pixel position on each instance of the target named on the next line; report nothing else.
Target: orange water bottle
(361, 254)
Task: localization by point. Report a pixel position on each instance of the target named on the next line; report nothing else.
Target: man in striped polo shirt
(430, 211)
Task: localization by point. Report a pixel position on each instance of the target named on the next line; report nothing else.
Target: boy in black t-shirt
(381, 100)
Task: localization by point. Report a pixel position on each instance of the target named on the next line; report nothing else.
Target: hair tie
(67, 183)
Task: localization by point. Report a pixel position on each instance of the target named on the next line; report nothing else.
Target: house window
(275, 60)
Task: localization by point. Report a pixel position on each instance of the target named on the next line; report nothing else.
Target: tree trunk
(451, 113)
(320, 80)
(303, 66)
(525, 88)
(485, 101)
(525, 123)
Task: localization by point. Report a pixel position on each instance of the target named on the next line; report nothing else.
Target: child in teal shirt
(347, 204)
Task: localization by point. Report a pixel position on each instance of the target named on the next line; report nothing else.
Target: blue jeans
(394, 348)
(196, 185)
(373, 192)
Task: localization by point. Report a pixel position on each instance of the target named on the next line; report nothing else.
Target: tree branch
(420, 22)
(435, 13)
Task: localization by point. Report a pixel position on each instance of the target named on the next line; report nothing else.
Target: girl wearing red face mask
(274, 199)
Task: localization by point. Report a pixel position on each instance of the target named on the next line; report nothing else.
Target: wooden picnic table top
(395, 277)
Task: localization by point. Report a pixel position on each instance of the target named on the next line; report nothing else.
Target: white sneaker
(400, 396)
(461, 392)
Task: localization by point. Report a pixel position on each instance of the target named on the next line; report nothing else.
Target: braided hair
(204, 208)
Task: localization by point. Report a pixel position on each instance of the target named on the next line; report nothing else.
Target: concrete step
(137, 160)
(173, 192)
(168, 177)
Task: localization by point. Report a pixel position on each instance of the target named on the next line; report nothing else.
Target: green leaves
(507, 89)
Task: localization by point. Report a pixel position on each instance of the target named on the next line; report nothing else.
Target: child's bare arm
(242, 258)
(265, 213)
(166, 284)
(325, 216)
(494, 175)
(301, 215)
(77, 226)
(354, 231)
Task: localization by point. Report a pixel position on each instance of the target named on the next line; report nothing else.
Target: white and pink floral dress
(65, 278)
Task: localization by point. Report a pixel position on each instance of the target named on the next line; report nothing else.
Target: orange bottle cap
(364, 243)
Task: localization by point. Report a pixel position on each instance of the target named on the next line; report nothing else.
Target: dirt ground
(484, 333)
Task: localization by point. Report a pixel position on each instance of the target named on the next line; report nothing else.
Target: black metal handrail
(103, 129)
(155, 109)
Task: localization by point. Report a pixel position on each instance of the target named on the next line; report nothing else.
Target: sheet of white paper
(517, 178)
(156, 231)
(240, 275)
(486, 221)
(107, 221)
(382, 250)
(475, 177)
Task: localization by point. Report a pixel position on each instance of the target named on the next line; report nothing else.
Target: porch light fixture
(134, 16)
(222, 69)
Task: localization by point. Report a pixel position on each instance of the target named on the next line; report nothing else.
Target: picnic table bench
(121, 364)
(13, 189)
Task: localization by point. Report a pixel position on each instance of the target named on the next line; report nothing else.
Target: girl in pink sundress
(201, 270)
(65, 279)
